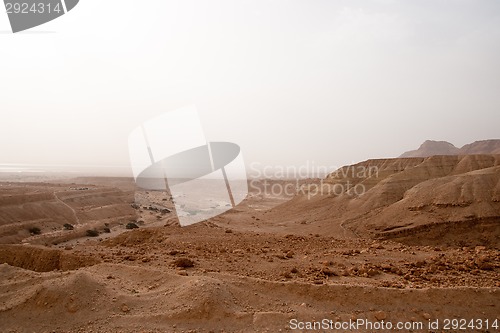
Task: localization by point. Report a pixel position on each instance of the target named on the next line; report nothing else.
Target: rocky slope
(203, 278)
(406, 197)
(49, 206)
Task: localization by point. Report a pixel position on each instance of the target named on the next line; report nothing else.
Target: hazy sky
(332, 82)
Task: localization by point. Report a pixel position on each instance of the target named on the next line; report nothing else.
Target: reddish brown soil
(252, 269)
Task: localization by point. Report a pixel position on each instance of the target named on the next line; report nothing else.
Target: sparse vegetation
(68, 226)
(35, 230)
(92, 233)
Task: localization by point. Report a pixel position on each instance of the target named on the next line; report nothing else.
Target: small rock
(380, 315)
(328, 272)
(480, 249)
(183, 262)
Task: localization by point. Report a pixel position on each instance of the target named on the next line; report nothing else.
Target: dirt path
(77, 220)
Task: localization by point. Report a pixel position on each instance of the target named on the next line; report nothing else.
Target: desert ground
(413, 240)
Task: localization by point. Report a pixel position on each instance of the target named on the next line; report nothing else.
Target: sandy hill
(431, 148)
(454, 199)
(49, 207)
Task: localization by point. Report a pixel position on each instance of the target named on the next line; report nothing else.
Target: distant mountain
(481, 147)
(434, 148)
(430, 148)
